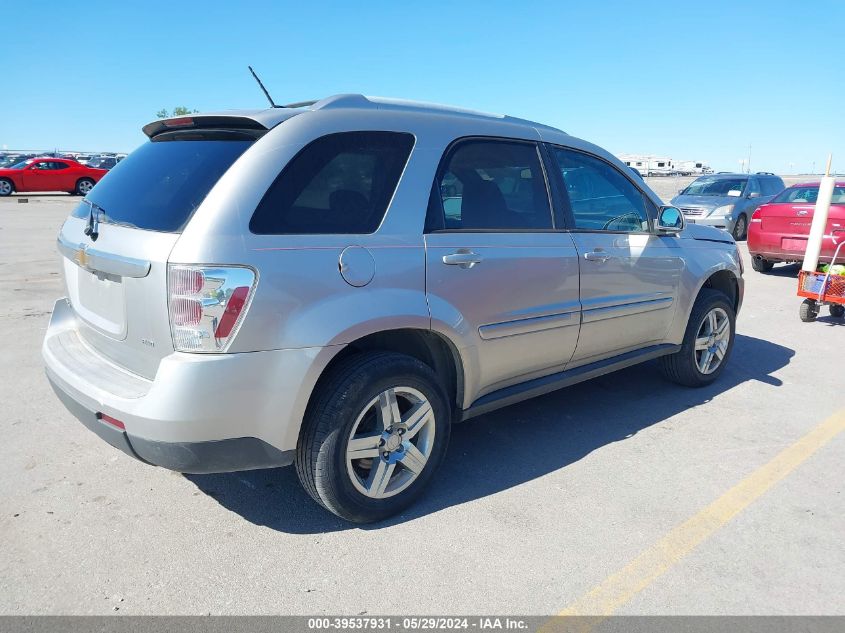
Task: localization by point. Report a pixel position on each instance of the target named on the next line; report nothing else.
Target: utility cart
(822, 289)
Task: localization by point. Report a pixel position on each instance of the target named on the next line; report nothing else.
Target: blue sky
(692, 80)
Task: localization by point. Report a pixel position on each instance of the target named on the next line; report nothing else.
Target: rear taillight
(756, 216)
(207, 304)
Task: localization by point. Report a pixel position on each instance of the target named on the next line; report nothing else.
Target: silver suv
(335, 284)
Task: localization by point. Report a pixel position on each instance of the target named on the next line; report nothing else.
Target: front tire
(837, 310)
(708, 342)
(373, 437)
(740, 231)
(6, 187)
(84, 186)
(761, 265)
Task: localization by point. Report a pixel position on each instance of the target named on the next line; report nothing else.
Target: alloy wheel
(712, 340)
(390, 442)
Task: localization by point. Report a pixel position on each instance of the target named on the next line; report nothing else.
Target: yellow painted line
(616, 590)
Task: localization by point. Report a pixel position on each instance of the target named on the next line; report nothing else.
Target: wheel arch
(80, 179)
(726, 282)
(427, 346)
(11, 182)
(724, 277)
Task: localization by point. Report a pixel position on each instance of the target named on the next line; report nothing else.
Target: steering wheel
(637, 221)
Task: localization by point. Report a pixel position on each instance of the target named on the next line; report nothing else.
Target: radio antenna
(266, 94)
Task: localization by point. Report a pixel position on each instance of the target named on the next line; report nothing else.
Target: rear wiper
(92, 228)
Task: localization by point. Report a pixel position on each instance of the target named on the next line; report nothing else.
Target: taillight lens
(207, 304)
(756, 216)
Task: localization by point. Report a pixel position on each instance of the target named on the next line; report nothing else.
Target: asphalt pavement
(539, 507)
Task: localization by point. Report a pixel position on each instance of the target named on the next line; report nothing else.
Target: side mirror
(670, 220)
(754, 194)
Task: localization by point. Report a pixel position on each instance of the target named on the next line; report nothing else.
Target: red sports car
(778, 230)
(49, 174)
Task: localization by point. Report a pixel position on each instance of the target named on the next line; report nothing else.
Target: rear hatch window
(160, 185)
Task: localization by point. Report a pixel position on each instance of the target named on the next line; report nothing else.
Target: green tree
(177, 111)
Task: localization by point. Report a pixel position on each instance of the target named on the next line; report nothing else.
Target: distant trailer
(693, 168)
(650, 165)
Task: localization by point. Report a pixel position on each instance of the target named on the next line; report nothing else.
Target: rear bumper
(243, 453)
(202, 413)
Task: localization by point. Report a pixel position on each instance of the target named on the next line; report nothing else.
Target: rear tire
(83, 186)
(6, 187)
(761, 265)
(837, 310)
(808, 311)
(740, 231)
(352, 412)
(708, 342)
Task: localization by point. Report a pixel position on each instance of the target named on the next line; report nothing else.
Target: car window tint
(753, 186)
(808, 194)
(57, 165)
(716, 186)
(340, 183)
(772, 186)
(494, 185)
(601, 197)
(160, 185)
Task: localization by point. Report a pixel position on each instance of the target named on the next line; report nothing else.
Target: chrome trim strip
(95, 260)
(592, 315)
(527, 326)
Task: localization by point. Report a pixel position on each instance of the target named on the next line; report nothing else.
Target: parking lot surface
(536, 505)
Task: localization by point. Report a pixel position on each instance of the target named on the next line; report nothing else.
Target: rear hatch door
(117, 283)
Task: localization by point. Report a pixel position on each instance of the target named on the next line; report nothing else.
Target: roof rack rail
(765, 173)
(300, 104)
(343, 101)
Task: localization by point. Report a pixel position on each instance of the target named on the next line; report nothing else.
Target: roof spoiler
(204, 122)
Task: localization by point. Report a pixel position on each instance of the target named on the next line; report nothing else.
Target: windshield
(20, 165)
(159, 186)
(716, 187)
(808, 195)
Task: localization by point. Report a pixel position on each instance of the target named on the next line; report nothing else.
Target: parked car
(49, 174)
(726, 200)
(14, 159)
(778, 230)
(260, 288)
(103, 162)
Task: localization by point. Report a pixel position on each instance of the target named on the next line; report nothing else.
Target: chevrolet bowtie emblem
(81, 256)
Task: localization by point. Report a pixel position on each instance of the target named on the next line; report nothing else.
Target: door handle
(463, 258)
(597, 256)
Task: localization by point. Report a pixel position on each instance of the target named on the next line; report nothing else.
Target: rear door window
(160, 185)
(339, 184)
(491, 185)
